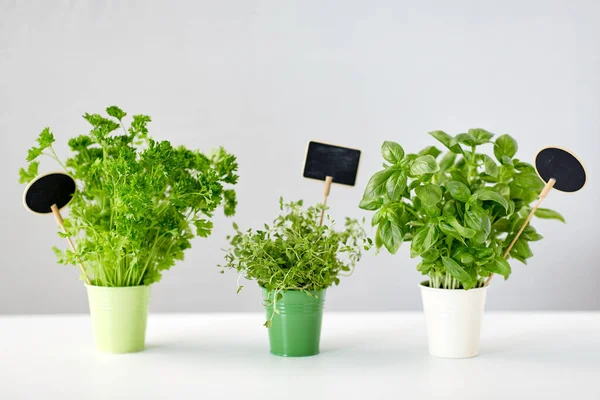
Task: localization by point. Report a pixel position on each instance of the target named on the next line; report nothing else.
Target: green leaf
(45, 139)
(463, 231)
(506, 160)
(424, 238)
(490, 166)
(447, 161)
(424, 268)
(396, 185)
(26, 176)
(464, 138)
(481, 135)
(239, 289)
(230, 202)
(464, 256)
(530, 234)
(525, 167)
(458, 190)
(448, 230)
(477, 219)
(371, 204)
(449, 208)
(431, 255)
(529, 180)
(445, 139)
(431, 150)
(458, 273)
(116, 112)
(377, 184)
(521, 250)
(548, 214)
(491, 195)
(499, 266)
(505, 146)
(424, 165)
(391, 236)
(203, 227)
(392, 152)
(429, 194)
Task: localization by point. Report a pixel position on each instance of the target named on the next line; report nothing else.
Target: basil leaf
(424, 267)
(424, 238)
(491, 195)
(371, 204)
(464, 232)
(464, 138)
(424, 165)
(392, 152)
(429, 194)
(377, 184)
(459, 273)
(445, 139)
(448, 230)
(447, 161)
(499, 266)
(548, 214)
(490, 166)
(431, 151)
(450, 209)
(459, 191)
(481, 135)
(521, 250)
(390, 236)
(463, 255)
(477, 219)
(396, 185)
(505, 146)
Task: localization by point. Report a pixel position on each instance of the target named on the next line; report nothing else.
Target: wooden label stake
(49, 193)
(561, 170)
(328, 181)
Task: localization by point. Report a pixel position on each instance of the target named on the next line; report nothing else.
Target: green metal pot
(296, 329)
(119, 317)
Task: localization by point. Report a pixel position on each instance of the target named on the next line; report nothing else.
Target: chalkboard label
(43, 192)
(564, 167)
(323, 160)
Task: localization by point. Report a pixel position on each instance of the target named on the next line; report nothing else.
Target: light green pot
(119, 317)
(296, 329)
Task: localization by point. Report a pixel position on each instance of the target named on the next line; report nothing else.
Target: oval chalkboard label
(55, 188)
(563, 166)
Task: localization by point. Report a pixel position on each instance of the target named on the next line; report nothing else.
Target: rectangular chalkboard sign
(323, 160)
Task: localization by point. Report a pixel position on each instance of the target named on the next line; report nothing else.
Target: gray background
(262, 78)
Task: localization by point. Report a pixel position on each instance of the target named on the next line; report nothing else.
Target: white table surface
(364, 356)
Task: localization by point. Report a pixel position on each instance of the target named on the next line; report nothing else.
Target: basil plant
(459, 208)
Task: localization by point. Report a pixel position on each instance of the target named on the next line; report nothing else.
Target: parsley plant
(139, 202)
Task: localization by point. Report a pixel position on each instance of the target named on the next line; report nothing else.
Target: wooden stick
(60, 222)
(543, 195)
(328, 181)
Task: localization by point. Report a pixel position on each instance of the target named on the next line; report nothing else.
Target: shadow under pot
(453, 318)
(296, 326)
(119, 316)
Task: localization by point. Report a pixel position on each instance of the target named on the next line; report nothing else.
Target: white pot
(453, 320)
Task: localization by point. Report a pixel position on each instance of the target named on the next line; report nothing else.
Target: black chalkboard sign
(564, 167)
(323, 160)
(43, 192)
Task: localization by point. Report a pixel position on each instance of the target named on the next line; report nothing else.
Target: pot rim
(116, 287)
(292, 290)
(423, 286)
